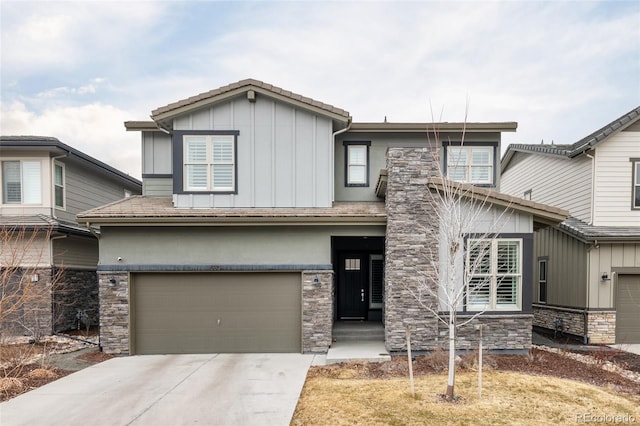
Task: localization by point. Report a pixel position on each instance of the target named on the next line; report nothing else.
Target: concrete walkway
(211, 389)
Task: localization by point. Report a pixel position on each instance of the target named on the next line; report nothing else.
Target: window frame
(468, 147)
(543, 261)
(374, 304)
(179, 162)
(493, 275)
(21, 162)
(62, 186)
(635, 183)
(348, 145)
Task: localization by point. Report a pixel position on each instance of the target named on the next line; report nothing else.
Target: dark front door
(352, 286)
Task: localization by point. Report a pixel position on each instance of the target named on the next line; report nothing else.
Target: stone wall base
(75, 300)
(317, 310)
(599, 327)
(114, 312)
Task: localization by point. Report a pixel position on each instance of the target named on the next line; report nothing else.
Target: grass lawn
(507, 399)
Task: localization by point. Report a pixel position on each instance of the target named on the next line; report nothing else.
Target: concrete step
(358, 331)
(357, 351)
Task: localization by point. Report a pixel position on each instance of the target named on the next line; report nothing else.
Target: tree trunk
(452, 357)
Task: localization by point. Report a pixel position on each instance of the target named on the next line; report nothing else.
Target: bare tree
(26, 280)
(458, 272)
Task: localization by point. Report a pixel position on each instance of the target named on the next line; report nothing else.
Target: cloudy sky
(78, 70)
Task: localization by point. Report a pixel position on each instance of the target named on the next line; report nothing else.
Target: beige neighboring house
(587, 274)
(44, 183)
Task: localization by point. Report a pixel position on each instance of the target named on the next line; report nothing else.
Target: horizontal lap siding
(613, 180)
(555, 181)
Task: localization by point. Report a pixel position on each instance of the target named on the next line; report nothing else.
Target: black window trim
(346, 145)
(544, 259)
(494, 145)
(177, 141)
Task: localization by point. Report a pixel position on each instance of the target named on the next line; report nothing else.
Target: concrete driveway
(212, 389)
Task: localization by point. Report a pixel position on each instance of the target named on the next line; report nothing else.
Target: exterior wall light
(316, 280)
(35, 278)
(605, 277)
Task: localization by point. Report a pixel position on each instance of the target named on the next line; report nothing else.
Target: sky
(77, 70)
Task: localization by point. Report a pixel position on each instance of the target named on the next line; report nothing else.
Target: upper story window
(357, 163)
(495, 274)
(635, 202)
(21, 182)
(471, 164)
(209, 163)
(58, 185)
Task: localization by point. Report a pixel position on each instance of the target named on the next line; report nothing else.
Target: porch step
(348, 331)
(356, 351)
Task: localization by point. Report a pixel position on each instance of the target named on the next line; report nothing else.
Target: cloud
(94, 129)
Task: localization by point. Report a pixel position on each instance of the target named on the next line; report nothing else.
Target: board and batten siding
(556, 181)
(604, 258)
(157, 187)
(612, 206)
(566, 268)
(283, 154)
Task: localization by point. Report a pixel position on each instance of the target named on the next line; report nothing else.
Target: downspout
(333, 154)
(591, 220)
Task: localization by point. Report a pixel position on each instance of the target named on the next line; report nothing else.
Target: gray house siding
(156, 153)
(283, 154)
(381, 142)
(556, 181)
(566, 268)
(86, 188)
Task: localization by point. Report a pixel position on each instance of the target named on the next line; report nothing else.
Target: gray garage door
(216, 312)
(628, 309)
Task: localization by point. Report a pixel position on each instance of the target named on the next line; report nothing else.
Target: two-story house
(45, 183)
(267, 216)
(587, 274)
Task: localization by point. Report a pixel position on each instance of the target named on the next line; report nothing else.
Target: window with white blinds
(494, 268)
(21, 182)
(470, 164)
(209, 163)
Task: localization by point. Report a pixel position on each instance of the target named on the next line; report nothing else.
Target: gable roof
(589, 233)
(45, 143)
(165, 113)
(577, 148)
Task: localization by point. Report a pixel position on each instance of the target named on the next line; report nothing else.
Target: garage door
(216, 312)
(628, 309)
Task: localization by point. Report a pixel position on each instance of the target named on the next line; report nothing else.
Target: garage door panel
(628, 309)
(217, 312)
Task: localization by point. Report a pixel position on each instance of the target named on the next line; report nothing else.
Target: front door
(352, 286)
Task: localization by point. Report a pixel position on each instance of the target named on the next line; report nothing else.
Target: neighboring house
(44, 184)
(587, 271)
(267, 216)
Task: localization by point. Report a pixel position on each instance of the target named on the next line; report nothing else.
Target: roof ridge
(244, 83)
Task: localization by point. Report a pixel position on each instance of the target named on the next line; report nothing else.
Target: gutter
(333, 155)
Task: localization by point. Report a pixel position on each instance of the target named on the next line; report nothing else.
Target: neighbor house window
(470, 164)
(542, 280)
(21, 182)
(210, 163)
(58, 185)
(635, 202)
(494, 268)
(357, 163)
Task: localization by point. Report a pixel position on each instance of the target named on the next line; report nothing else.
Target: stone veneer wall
(317, 311)
(601, 325)
(114, 312)
(508, 332)
(75, 291)
(412, 226)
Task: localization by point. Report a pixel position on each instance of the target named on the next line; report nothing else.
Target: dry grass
(507, 399)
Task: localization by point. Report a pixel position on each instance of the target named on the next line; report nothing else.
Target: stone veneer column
(317, 311)
(114, 312)
(412, 228)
